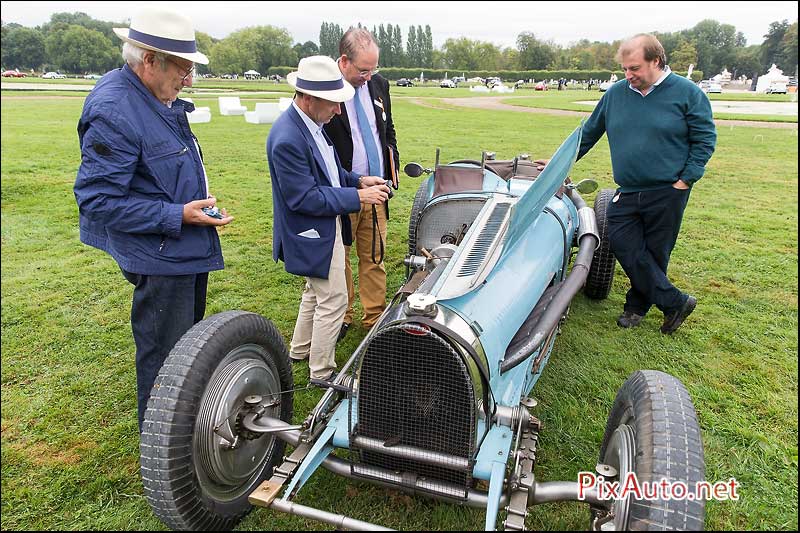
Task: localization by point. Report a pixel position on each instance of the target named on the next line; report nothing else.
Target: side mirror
(584, 186)
(415, 170)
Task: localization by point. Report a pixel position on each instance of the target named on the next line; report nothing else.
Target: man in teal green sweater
(661, 135)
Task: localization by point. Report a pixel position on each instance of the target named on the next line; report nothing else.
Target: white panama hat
(163, 31)
(320, 76)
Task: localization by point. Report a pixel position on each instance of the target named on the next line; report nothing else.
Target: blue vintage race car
(435, 399)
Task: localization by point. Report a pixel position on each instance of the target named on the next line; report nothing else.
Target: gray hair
(134, 55)
(355, 40)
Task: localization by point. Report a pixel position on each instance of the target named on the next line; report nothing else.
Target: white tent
(252, 75)
(774, 74)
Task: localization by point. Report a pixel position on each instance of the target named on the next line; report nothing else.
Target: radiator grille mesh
(415, 390)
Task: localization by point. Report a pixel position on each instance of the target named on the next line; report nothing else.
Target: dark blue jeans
(643, 228)
(163, 309)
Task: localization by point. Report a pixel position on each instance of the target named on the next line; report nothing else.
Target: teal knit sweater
(657, 139)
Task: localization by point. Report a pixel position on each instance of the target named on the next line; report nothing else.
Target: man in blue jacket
(312, 196)
(142, 187)
(661, 135)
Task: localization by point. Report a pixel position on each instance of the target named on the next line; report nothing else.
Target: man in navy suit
(312, 196)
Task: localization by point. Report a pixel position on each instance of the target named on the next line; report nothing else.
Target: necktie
(369, 140)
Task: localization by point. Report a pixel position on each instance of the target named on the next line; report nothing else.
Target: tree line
(76, 43)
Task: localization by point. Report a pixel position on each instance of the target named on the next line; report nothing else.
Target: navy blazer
(305, 203)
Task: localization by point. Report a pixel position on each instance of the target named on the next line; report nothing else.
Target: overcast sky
(496, 22)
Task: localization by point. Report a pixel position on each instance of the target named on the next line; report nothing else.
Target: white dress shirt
(324, 148)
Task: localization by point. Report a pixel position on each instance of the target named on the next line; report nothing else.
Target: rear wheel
(420, 199)
(198, 465)
(652, 431)
(601, 273)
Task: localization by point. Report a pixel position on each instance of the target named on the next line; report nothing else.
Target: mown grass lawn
(69, 431)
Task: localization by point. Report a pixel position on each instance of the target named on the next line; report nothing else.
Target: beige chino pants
(319, 320)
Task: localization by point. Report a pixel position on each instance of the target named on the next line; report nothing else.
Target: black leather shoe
(343, 332)
(673, 320)
(629, 319)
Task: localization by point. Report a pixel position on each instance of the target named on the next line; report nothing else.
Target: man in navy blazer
(312, 195)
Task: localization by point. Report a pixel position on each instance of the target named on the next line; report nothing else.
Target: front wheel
(652, 431)
(198, 465)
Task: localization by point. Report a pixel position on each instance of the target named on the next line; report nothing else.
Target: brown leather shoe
(629, 319)
(673, 320)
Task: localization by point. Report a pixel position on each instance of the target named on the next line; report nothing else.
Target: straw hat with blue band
(320, 76)
(163, 31)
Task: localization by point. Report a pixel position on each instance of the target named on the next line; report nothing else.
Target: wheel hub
(225, 467)
(620, 454)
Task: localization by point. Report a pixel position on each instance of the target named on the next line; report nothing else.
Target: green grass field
(69, 432)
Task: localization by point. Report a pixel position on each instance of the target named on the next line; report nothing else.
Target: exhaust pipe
(569, 288)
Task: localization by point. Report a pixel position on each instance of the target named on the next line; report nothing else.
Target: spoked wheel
(652, 432)
(198, 464)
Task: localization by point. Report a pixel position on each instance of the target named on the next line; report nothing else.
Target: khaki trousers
(319, 320)
(371, 277)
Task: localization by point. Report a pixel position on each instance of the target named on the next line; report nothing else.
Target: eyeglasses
(190, 72)
(365, 73)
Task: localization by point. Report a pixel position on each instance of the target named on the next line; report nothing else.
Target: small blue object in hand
(212, 212)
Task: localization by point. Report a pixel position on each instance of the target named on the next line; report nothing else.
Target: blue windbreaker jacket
(139, 166)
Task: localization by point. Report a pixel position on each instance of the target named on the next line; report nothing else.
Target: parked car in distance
(776, 87)
(603, 87)
(53, 76)
(541, 86)
(450, 84)
(93, 76)
(13, 74)
(711, 86)
(458, 79)
(405, 82)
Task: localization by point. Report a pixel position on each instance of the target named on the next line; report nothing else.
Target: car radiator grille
(416, 412)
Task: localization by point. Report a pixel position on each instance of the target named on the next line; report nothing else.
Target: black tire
(190, 480)
(654, 412)
(420, 199)
(601, 273)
